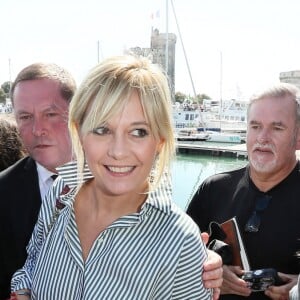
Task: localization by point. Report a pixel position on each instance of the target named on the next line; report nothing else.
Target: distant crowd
(6, 108)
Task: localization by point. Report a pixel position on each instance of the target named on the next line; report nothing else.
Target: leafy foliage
(2, 96)
(181, 97)
(6, 87)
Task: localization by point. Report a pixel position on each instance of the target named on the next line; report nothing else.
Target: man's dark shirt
(229, 194)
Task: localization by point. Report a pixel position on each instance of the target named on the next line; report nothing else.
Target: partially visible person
(40, 95)
(295, 291)
(11, 146)
(264, 195)
(119, 235)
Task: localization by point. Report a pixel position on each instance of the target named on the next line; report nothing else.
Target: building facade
(292, 77)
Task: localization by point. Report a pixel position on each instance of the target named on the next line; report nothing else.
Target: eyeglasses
(261, 204)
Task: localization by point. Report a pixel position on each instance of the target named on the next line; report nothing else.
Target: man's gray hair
(280, 90)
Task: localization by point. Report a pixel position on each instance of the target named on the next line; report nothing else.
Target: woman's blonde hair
(106, 90)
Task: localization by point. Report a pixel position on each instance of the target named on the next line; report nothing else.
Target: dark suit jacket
(20, 201)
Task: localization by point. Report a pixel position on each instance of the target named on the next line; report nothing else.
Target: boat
(230, 117)
(209, 136)
(185, 116)
(191, 135)
(223, 137)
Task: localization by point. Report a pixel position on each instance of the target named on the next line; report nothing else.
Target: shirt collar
(160, 198)
(43, 173)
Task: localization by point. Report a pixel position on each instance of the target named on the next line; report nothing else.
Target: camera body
(259, 280)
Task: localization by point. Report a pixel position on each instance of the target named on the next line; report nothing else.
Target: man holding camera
(264, 196)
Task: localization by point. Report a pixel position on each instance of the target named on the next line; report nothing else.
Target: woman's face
(121, 153)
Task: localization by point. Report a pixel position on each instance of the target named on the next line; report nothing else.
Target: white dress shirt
(45, 180)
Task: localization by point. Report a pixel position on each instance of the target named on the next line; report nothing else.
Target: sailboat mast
(9, 71)
(221, 75)
(167, 37)
(98, 51)
(187, 63)
(221, 88)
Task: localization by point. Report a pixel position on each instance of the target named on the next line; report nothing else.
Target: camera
(260, 280)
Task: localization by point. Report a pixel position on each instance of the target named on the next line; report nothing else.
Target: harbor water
(189, 170)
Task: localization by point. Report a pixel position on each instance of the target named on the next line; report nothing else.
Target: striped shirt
(156, 253)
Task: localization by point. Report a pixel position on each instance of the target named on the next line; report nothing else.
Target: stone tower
(292, 77)
(158, 49)
(157, 54)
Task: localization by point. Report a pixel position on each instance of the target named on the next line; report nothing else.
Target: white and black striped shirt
(154, 254)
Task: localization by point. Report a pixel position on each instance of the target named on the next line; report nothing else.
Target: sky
(233, 47)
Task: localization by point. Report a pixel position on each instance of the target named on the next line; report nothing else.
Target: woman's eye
(140, 132)
(101, 130)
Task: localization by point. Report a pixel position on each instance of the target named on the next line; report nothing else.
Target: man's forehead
(43, 88)
(41, 105)
(271, 116)
(42, 93)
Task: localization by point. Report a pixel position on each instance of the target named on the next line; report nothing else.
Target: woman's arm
(189, 283)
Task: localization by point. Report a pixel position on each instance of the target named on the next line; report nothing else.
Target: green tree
(180, 97)
(201, 97)
(6, 87)
(2, 96)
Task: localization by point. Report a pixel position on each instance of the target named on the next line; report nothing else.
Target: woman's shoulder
(183, 222)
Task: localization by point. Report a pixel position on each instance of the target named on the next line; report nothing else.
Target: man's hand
(212, 275)
(16, 296)
(282, 292)
(232, 283)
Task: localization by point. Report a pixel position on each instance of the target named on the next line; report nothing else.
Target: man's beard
(259, 163)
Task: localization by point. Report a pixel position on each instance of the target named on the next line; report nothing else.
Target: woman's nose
(118, 147)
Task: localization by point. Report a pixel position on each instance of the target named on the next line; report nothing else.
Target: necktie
(54, 177)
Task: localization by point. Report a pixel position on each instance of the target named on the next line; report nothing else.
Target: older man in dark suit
(40, 95)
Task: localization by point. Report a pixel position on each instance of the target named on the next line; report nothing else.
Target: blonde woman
(116, 234)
